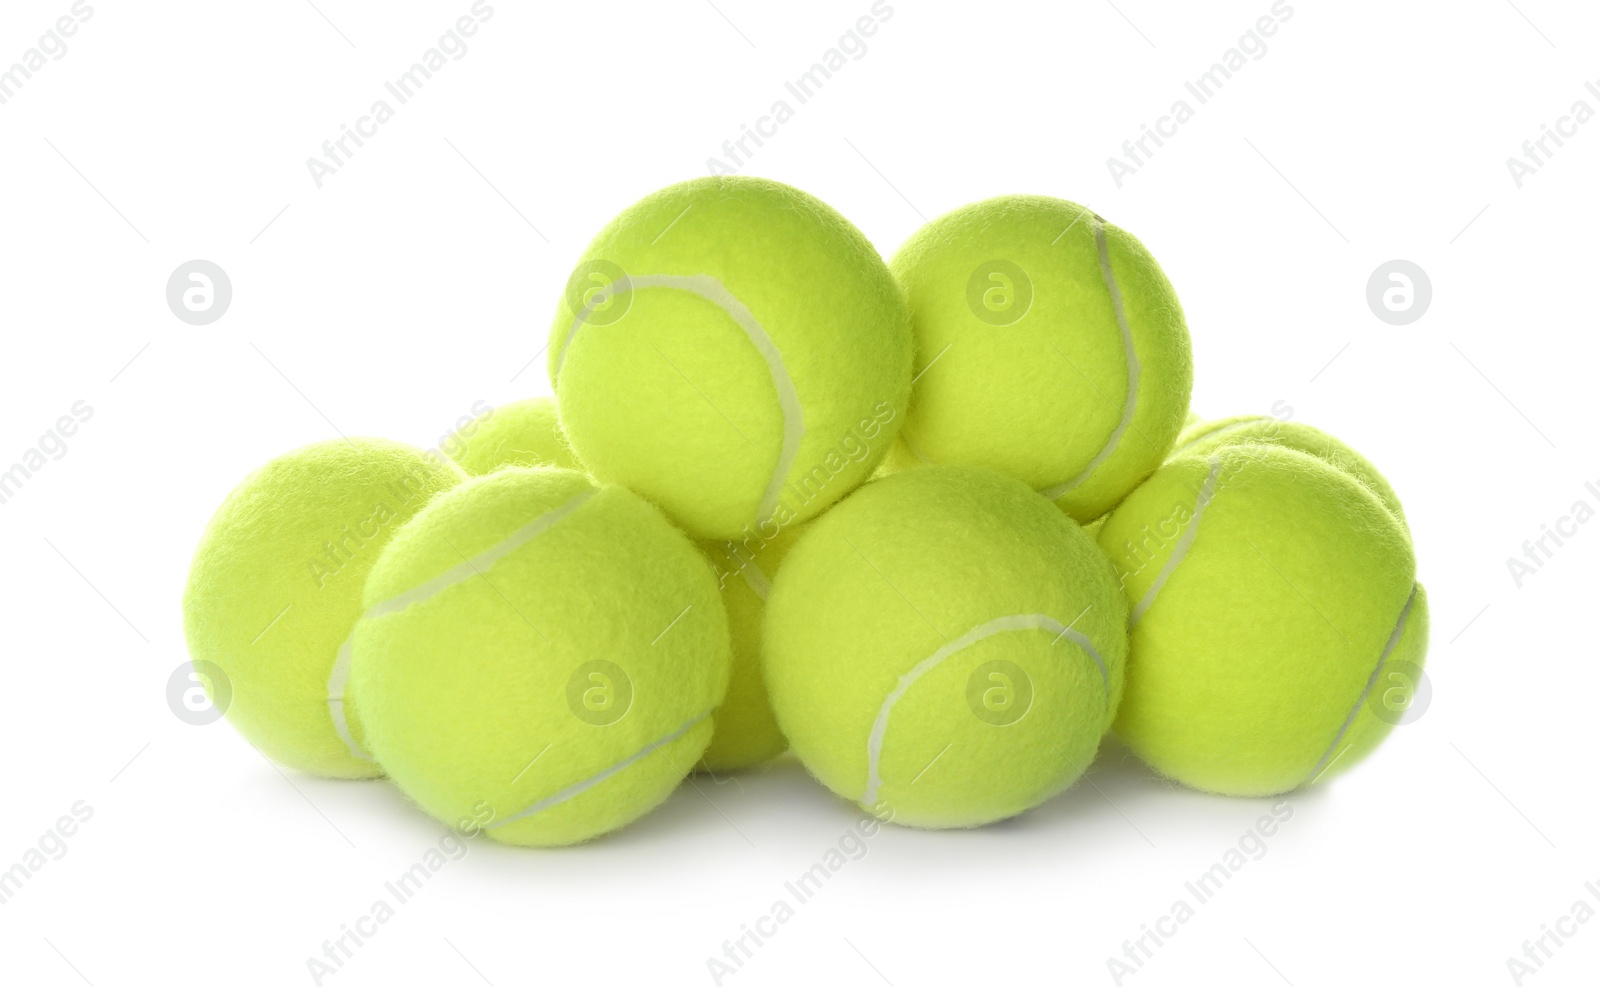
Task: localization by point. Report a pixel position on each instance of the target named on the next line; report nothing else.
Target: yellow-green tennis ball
(1203, 438)
(1050, 346)
(1275, 608)
(542, 652)
(744, 730)
(735, 351)
(945, 648)
(275, 588)
(525, 433)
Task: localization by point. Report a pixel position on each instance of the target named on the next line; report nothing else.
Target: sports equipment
(744, 731)
(275, 587)
(540, 651)
(1275, 610)
(735, 351)
(1049, 346)
(945, 647)
(1201, 438)
(524, 433)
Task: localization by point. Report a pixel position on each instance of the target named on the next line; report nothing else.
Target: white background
(419, 280)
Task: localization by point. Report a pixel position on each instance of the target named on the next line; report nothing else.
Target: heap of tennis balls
(934, 525)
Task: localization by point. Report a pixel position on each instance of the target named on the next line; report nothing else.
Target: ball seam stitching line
(578, 788)
(339, 678)
(914, 449)
(757, 580)
(988, 629)
(1394, 640)
(1208, 491)
(713, 290)
(1131, 404)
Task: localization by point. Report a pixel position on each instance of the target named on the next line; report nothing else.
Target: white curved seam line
(757, 580)
(1000, 625)
(1224, 430)
(617, 287)
(1208, 490)
(1372, 682)
(1130, 405)
(578, 788)
(337, 682)
(483, 561)
(340, 676)
(916, 450)
(713, 290)
(1082, 640)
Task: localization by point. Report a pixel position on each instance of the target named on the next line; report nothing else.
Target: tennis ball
(275, 588)
(1049, 346)
(945, 648)
(744, 731)
(1203, 438)
(1271, 595)
(735, 351)
(524, 433)
(541, 651)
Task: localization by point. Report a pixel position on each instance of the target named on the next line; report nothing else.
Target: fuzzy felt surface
(523, 433)
(543, 650)
(1266, 588)
(666, 393)
(745, 731)
(1201, 438)
(931, 562)
(1042, 396)
(276, 583)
